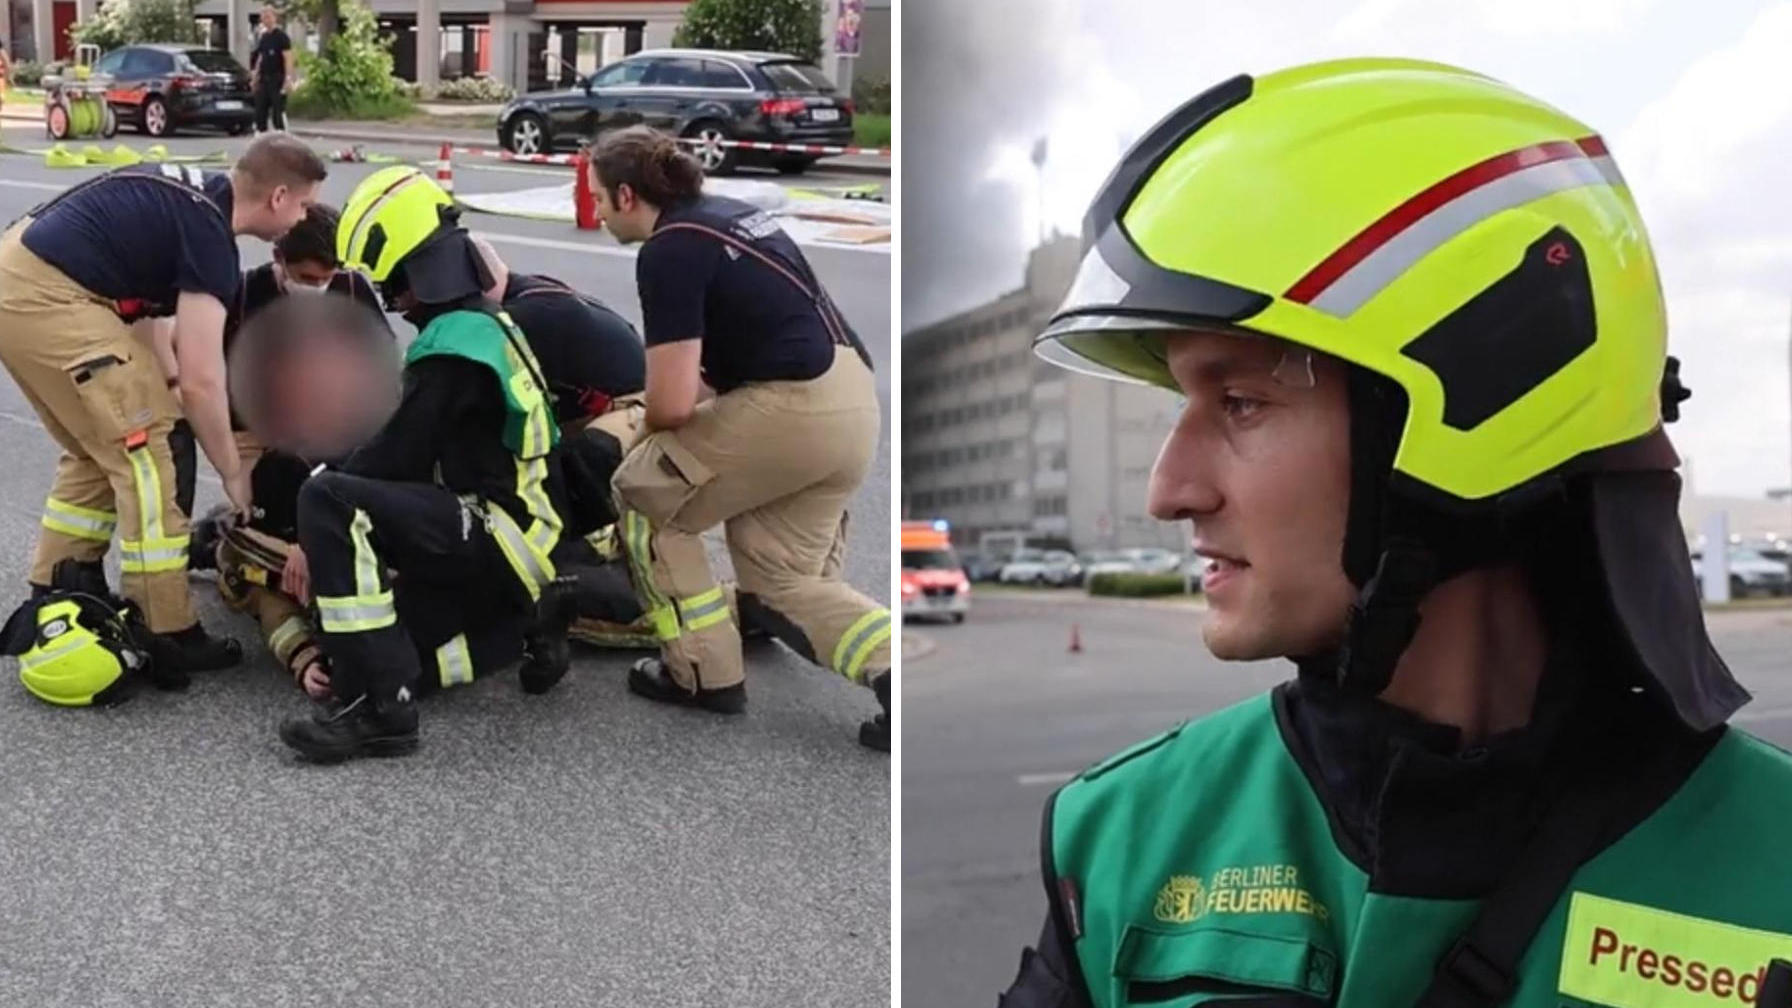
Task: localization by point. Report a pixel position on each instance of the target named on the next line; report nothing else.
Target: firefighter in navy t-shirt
(138, 242)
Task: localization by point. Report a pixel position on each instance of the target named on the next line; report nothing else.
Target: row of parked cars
(1063, 569)
(1753, 572)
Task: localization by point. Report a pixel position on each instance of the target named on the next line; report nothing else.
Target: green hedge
(1128, 585)
(871, 130)
(28, 74)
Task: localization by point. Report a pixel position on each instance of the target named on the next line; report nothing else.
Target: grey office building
(995, 440)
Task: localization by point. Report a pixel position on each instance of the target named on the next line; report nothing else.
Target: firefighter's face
(1258, 464)
(626, 216)
(275, 211)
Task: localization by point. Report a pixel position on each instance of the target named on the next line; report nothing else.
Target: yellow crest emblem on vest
(1180, 900)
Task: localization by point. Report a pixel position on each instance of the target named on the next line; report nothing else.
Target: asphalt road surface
(584, 848)
(997, 714)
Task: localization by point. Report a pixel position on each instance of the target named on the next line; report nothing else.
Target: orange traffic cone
(445, 170)
(1076, 639)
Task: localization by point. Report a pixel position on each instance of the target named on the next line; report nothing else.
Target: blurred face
(323, 397)
(624, 215)
(269, 17)
(273, 213)
(1258, 464)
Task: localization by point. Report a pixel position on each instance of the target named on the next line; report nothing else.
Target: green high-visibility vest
(1203, 870)
(496, 342)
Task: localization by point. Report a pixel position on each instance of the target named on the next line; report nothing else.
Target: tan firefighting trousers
(249, 567)
(112, 422)
(775, 463)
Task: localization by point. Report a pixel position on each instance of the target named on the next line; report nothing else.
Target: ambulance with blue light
(933, 581)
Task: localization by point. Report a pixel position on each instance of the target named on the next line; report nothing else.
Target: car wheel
(526, 134)
(1738, 587)
(715, 158)
(238, 129)
(155, 118)
(958, 617)
(108, 121)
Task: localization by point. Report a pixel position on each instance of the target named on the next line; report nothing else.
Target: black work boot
(192, 650)
(546, 652)
(360, 727)
(207, 532)
(875, 733)
(650, 678)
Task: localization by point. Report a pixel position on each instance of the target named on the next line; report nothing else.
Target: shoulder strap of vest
(1481, 969)
(831, 318)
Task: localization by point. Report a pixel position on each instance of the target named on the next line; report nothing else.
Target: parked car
(704, 94)
(163, 88)
(1106, 562)
(1750, 573)
(1042, 567)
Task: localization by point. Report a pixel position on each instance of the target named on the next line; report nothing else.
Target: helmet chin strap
(1385, 617)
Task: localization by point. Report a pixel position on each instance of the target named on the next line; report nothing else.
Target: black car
(699, 93)
(162, 88)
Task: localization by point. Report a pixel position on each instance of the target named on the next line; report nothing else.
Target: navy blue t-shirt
(148, 232)
(754, 323)
(583, 346)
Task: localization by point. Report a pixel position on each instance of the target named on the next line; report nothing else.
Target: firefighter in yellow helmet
(456, 494)
(1415, 320)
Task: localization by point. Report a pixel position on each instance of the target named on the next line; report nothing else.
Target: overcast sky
(1694, 99)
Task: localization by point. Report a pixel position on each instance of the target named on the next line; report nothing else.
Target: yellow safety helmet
(1447, 234)
(80, 656)
(391, 214)
(1472, 244)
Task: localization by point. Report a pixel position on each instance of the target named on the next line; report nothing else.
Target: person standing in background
(271, 69)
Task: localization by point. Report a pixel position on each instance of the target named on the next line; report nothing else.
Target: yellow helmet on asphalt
(391, 214)
(1477, 259)
(75, 653)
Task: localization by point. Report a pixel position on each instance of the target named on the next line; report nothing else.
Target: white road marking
(1043, 779)
(616, 251)
(620, 251)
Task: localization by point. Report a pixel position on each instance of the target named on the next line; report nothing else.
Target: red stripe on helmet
(1406, 214)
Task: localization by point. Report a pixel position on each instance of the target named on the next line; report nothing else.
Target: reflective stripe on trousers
(454, 662)
(859, 641)
(637, 542)
(287, 637)
(369, 608)
(79, 522)
(155, 552)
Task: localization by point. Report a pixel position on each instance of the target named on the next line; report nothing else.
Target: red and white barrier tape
(791, 148)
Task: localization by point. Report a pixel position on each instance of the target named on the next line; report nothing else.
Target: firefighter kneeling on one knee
(728, 300)
(435, 535)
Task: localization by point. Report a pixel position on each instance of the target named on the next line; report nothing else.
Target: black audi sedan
(162, 88)
(705, 94)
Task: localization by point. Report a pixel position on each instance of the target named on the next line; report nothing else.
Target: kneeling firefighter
(458, 492)
(728, 300)
(1422, 446)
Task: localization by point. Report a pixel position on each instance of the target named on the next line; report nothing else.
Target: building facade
(998, 442)
(528, 44)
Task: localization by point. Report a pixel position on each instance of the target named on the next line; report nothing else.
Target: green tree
(124, 22)
(351, 75)
(790, 26)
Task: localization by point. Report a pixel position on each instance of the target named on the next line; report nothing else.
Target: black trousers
(270, 98)
(452, 588)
